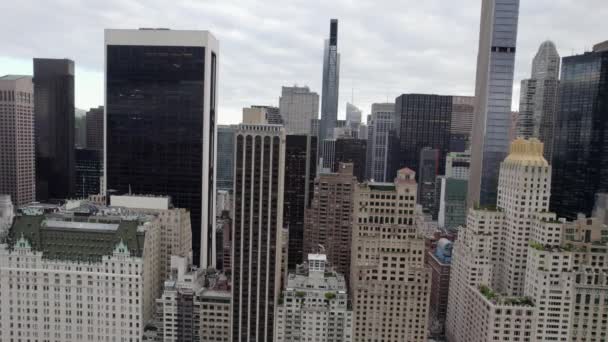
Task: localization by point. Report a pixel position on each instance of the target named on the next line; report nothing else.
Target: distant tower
(17, 164)
(493, 91)
(54, 128)
(298, 107)
(95, 128)
(331, 78)
(380, 124)
(257, 230)
(538, 99)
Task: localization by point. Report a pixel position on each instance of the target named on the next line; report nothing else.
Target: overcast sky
(387, 47)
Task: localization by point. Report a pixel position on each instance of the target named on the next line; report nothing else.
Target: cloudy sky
(388, 47)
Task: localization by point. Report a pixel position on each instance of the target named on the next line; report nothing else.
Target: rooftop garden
(497, 299)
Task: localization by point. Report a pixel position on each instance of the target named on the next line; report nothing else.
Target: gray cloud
(387, 47)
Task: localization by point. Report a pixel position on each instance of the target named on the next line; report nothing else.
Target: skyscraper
(380, 125)
(160, 122)
(298, 107)
(17, 165)
(538, 99)
(420, 121)
(428, 168)
(300, 173)
(580, 155)
(389, 281)
(493, 91)
(256, 230)
(463, 110)
(225, 157)
(262, 115)
(54, 128)
(331, 80)
(95, 131)
(328, 220)
(349, 150)
(353, 115)
(89, 171)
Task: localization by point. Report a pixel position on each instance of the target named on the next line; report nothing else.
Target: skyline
(412, 50)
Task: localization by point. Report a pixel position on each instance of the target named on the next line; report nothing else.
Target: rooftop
(13, 77)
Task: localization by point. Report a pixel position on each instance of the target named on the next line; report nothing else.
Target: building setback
(300, 173)
(54, 128)
(328, 220)
(160, 122)
(493, 91)
(257, 230)
(420, 121)
(580, 153)
(17, 161)
(389, 281)
(298, 106)
(353, 151)
(95, 132)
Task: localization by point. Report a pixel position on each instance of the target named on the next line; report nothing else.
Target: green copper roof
(70, 242)
(382, 186)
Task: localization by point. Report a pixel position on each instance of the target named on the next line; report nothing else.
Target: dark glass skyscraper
(331, 80)
(54, 128)
(580, 153)
(88, 172)
(420, 121)
(353, 151)
(95, 128)
(225, 157)
(300, 172)
(160, 117)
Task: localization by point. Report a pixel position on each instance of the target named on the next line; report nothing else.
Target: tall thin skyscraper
(580, 156)
(54, 128)
(160, 122)
(95, 128)
(538, 99)
(298, 107)
(331, 79)
(300, 172)
(420, 121)
(493, 91)
(256, 230)
(17, 166)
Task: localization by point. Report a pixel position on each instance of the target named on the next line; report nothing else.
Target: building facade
(331, 80)
(354, 151)
(328, 220)
(94, 128)
(160, 122)
(54, 128)
(538, 98)
(328, 152)
(389, 281)
(298, 107)
(300, 173)
(380, 124)
(260, 115)
(314, 305)
(580, 155)
(89, 171)
(428, 170)
(17, 149)
(463, 111)
(493, 92)
(439, 261)
(420, 121)
(225, 157)
(257, 230)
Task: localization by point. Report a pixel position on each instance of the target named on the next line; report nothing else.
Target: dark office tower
(257, 230)
(463, 110)
(88, 172)
(54, 128)
(328, 149)
(580, 154)
(353, 151)
(80, 130)
(331, 78)
(95, 128)
(160, 122)
(420, 121)
(493, 91)
(428, 170)
(225, 157)
(300, 172)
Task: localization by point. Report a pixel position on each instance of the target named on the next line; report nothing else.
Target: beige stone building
(390, 283)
